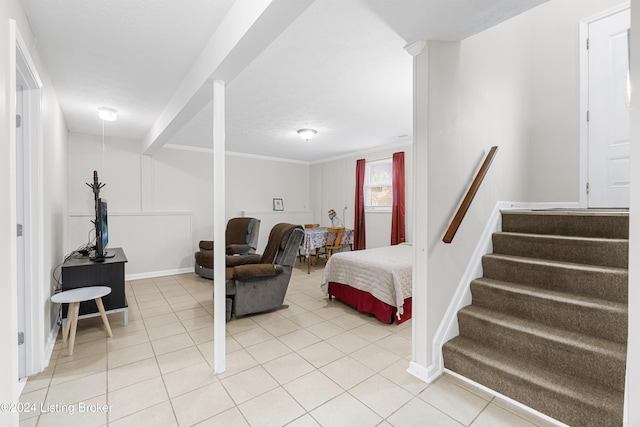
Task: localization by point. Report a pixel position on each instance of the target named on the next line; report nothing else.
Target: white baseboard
(50, 344)
(551, 421)
(425, 374)
(152, 274)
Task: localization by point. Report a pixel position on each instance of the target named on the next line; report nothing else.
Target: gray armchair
(255, 288)
(241, 238)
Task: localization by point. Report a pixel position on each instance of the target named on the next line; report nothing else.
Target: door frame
(584, 97)
(22, 65)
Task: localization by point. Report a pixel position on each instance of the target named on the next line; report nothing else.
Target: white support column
(219, 297)
(420, 357)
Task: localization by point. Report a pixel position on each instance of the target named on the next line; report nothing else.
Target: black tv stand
(79, 271)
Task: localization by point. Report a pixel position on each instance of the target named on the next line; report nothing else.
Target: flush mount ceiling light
(307, 134)
(108, 114)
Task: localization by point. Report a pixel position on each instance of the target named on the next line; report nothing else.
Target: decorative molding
(188, 148)
(415, 48)
(404, 143)
(261, 157)
(92, 214)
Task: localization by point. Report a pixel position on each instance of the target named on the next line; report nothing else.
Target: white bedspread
(383, 272)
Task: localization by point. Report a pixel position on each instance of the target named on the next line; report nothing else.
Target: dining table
(315, 238)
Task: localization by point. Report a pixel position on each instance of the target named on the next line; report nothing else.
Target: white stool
(74, 297)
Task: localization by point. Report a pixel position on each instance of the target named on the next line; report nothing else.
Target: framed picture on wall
(278, 205)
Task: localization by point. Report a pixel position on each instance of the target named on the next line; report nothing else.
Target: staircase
(548, 322)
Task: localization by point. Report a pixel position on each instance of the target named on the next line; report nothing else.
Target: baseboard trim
(427, 375)
(519, 405)
(50, 344)
(152, 274)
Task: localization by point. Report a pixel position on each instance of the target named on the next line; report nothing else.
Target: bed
(376, 281)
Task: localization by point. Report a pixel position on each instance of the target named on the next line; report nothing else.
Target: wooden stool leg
(104, 316)
(67, 323)
(74, 308)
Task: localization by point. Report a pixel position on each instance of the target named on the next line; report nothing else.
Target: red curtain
(397, 209)
(359, 240)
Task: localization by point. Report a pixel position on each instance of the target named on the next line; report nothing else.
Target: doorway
(606, 94)
(26, 141)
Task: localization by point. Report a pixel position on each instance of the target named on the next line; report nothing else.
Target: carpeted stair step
(568, 399)
(590, 316)
(579, 250)
(613, 224)
(607, 283)
(598, 360)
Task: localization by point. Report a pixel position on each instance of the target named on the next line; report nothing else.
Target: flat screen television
(102, 229)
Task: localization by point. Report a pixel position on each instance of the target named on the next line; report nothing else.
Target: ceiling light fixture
(108, 114)
(307, 134)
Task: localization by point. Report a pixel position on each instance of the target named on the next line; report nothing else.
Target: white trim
(584, 97)
(9, 366)
(160, 213)
(415, 48)
(448, 328)
(525, 408)
(188, 148)
(51, 342)
(425, 374)
(584, 106)
(253, 213)
(607, 12)
(377, 209)
(404, 143)
(233, 153)
(152, 274)
(270, 158)
(35, 295)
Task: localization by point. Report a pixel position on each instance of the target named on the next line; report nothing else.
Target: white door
(608, 112)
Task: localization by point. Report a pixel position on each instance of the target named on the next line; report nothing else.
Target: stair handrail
(466, 202)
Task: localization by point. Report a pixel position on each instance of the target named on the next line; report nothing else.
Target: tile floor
(315, 363)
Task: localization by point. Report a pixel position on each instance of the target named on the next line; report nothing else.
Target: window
(378, 189)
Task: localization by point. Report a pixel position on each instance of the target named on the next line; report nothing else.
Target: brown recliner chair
(241, 238)
(255, 288)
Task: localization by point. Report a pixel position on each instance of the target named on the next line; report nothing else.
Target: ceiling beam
(247, 29)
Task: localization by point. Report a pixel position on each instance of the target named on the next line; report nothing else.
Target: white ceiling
(339, 68)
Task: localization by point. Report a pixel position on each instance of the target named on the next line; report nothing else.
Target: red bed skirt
(367, 303)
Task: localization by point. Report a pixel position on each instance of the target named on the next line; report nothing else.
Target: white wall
(333, 186)
(252, 184)
(515, 86)
(54, 203)
(171, 192)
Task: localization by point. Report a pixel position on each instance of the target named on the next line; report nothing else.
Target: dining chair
(333, 243)
(301, 256)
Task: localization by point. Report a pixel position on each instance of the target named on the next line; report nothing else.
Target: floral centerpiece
(336, 222)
